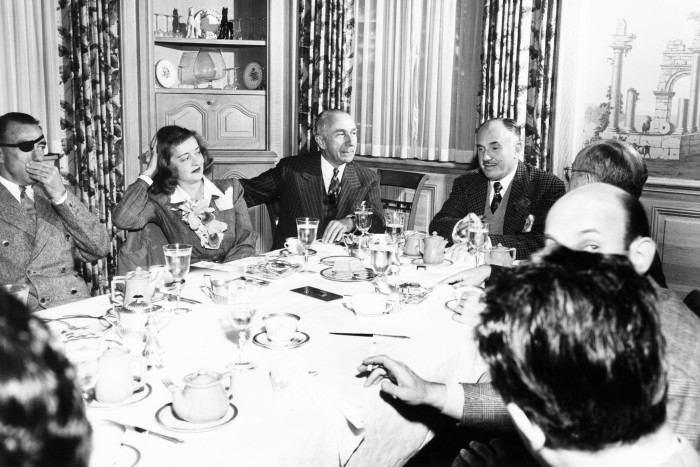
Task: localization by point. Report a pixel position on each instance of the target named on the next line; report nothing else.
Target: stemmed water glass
(157, 320)
(168, 32)
(241, 314)
(363, 220)
(477, 237)
(177, 260)
(84, 354)
(381, 258)
(158, 32)
(307, 228)
(235, 84)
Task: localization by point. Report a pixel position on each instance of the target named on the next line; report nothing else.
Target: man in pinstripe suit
(325, 186)
(513, 196)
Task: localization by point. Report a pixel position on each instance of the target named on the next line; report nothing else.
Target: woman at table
(174, 194)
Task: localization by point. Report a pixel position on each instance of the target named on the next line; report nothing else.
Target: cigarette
(372, 352)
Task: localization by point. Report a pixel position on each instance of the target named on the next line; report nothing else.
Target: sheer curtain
(29, 70)
(415, 84)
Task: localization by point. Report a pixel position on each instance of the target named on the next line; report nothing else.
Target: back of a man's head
(613, 162)
(42, 417)
(572, 338)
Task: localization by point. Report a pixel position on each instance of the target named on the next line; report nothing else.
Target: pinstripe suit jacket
(297, 183)
(533, 191)
(43, 257)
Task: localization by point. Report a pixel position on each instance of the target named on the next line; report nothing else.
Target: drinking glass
(395, 226)
(363, 220)
(176, 30)
(307, 228)
(477, 236)
(228, 79)
(209, 66)
(168, 32)
(157, 320)
(158, 32)
(241, 314)
(381, 258)
(177, 260)
(237, 33)
(84, 353)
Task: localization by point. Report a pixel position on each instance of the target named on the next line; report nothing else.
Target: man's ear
(641, 254)
(320, 141)
(529, 431)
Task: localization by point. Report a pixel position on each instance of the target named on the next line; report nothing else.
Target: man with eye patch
(44, 228)
(512, 196)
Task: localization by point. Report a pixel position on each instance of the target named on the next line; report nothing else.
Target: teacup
(217, 289)
(370, 303)
(293, 245)
(106, 442)
(470, 300)
(281, 327)
(19, 291)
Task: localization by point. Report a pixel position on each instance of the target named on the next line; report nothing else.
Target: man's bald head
(601, 218)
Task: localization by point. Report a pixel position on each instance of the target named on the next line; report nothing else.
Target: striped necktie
(26, 202)
(333, 193)
(496, 196)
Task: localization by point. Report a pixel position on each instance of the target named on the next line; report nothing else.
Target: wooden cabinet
(228, 121)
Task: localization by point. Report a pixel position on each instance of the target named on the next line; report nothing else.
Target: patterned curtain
(326, 54)
(517, 79)
(91, 115)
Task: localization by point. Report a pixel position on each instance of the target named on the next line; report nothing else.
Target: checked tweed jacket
(43, 255)
(533, 191)
(297, 183)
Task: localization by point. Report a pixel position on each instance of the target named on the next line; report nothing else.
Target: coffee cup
(370, 303)
(281, 327)
(293, 245)
(217, 289)
(106, 442)
(18, 291)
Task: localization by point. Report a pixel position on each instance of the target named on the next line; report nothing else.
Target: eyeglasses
(569, 170)
(24, 146)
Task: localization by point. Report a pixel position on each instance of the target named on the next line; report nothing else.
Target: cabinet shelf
(248, 92)
(208, 42)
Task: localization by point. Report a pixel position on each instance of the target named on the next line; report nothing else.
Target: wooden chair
(400, 179)
(692, 301)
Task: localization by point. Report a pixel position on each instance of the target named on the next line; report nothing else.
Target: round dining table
(301, 406)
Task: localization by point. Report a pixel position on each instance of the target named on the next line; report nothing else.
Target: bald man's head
(604, 219)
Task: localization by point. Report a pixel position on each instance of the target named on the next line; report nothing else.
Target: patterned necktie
(26, 202)
(496, 197)
(333, 192)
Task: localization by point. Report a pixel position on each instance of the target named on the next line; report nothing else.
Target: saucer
(387, 310)
(453, 306)
(419, 262)
(299, 339)
(165, 416)
(330, 260)
(128, 456)
(286, 252)
(348, 276)
(138, 396)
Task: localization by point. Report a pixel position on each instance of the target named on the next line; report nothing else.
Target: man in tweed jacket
(43, 227)
(301, 184)
(527, 192)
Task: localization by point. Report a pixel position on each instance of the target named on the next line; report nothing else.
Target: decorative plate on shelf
(166, 73)
(252, 75)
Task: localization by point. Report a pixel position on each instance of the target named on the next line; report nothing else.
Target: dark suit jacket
(297, 183)
(45, 257)
(533, 191)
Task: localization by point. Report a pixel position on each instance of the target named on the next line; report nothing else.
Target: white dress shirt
(505, 183)
(327, 171)
(16, 191)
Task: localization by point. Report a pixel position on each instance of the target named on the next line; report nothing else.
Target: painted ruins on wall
(651, 99)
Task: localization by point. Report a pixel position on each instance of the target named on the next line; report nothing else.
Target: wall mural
(643, 84)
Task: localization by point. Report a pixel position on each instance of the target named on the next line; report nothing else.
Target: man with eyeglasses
(512, 196)
(326, 186)
(43, 227)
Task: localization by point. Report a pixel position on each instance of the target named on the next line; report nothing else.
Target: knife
(367, 334)
(172, 296)
(139, 429)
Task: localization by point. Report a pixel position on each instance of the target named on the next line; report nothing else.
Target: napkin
(291, 379)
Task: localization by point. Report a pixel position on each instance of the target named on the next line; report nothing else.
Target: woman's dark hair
(42, 416)
(168, 137)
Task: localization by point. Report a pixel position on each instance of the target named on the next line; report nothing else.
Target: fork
(168, 383)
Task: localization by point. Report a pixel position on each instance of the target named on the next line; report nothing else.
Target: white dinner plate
(358, 276)
(128, 456)
(167, 419)
(420, 262)
(300, 338)
(387, 310)
(330, 260)
(138, 396)
(166, 73)
(252, 75)
(286, 252)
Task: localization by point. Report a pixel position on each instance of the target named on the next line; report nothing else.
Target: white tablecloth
(301, 424)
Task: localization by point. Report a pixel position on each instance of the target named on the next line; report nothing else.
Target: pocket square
(528, 223)
(225, 202)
